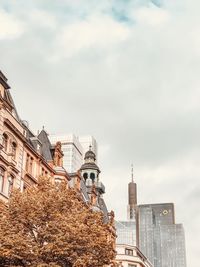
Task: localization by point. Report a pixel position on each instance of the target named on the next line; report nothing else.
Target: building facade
(126, 232)
(130, 256)
(160, 238)
(23, 156)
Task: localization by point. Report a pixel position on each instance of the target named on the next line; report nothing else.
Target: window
(10, 184)
(29, 164)
(5, 141)
(2, 176)
(128, 251)
(13, 149)
(44, 173)
(85, 175)
(92, 176)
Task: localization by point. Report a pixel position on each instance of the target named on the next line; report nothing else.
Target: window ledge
(4, 195)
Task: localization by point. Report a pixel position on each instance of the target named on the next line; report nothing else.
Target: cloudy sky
(126, 72)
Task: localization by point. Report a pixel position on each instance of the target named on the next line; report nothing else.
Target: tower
(90, 172)
(160, 239)
(132, 198)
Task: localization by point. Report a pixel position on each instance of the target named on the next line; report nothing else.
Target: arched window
(5, 141)
(85, 175)
(92, 176)
(10, 183)
(2, 178)
(29, 164)
(13, 149)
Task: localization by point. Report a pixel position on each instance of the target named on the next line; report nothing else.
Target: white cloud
(43, 19)
(10, 26)
(151, 15)
(99, 32)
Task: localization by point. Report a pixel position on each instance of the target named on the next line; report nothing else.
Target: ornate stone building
(23, 156)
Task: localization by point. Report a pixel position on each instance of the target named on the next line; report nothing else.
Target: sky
(124, 71)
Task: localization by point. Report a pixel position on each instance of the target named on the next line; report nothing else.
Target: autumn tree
(50, 225)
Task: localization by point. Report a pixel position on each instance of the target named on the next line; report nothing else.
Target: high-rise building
(128, 254)
(160, 239)
(74, 149)
(153, 230)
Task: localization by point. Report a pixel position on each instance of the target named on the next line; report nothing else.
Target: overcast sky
(126, 72)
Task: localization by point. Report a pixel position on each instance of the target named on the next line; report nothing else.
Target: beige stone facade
(23, 156)
(131, 256)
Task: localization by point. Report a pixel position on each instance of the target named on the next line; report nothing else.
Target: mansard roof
(7, 96)
(46, 147)
(3, 80)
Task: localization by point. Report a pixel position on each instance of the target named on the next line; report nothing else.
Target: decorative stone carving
(58, 155)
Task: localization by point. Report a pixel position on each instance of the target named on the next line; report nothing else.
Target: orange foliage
(50, 225)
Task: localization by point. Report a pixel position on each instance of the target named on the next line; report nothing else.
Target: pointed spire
(132, 176)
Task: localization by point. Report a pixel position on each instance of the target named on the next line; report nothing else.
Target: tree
(50, 225)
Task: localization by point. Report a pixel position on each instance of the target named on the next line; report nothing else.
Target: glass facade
(126, 232)
(160, 239)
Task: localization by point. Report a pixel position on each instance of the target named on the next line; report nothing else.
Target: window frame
(2, 181)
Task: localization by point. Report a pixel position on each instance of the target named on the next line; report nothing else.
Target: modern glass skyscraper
(160, 239)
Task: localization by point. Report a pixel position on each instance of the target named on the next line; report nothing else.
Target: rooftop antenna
(132, 176)
(90, 147)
